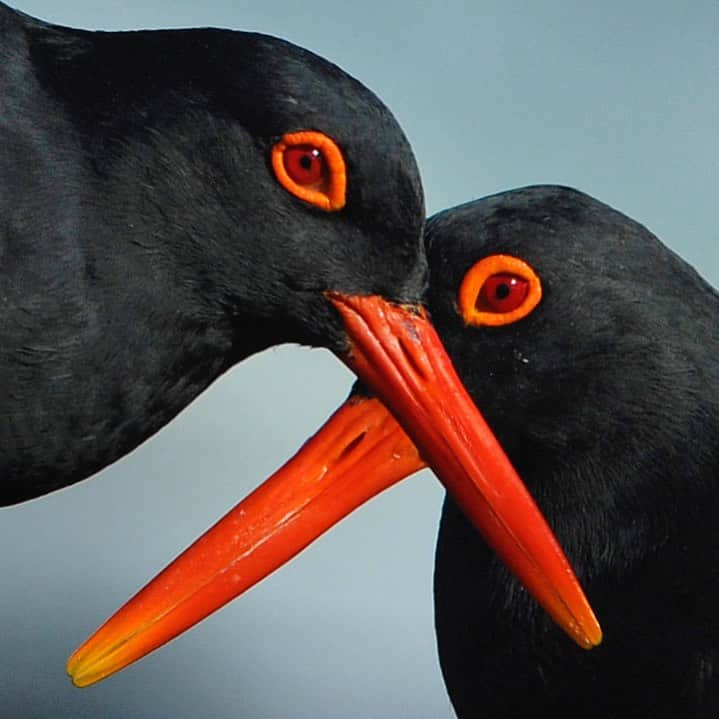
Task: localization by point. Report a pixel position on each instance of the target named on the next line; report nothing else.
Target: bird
(606, 399)
(172, 202)
(591, 349)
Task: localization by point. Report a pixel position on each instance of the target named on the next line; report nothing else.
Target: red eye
(310, 165)
(305, 165)
(502, 293)
(498, 290)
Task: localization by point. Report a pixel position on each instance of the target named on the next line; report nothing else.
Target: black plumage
(606, 399)
(145, 246)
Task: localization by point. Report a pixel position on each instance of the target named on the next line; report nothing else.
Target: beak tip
(81, 681)
(591, 635)
(73, 668)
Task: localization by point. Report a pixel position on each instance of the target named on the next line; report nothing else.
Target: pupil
(306, 162)
(502, 291)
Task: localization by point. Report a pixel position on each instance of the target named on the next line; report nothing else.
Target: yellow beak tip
(592, 639)
(80, 681)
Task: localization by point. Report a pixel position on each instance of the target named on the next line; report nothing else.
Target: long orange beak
(358, 453)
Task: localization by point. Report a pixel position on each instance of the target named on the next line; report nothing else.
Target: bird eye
(310, 166)
(498, 290)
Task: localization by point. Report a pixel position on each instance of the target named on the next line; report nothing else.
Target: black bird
(155, 229)
(606, 398)
(593, 351)
(173, 201)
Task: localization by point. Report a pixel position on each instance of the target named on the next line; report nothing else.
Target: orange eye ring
(328, 192)
(471, 305)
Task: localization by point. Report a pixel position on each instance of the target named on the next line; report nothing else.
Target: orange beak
(358, 453)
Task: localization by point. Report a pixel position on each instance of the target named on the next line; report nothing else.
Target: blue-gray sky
(618, 99)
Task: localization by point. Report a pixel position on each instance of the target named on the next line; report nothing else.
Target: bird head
(599, 390)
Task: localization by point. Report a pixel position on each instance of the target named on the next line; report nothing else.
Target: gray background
(618, 99)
